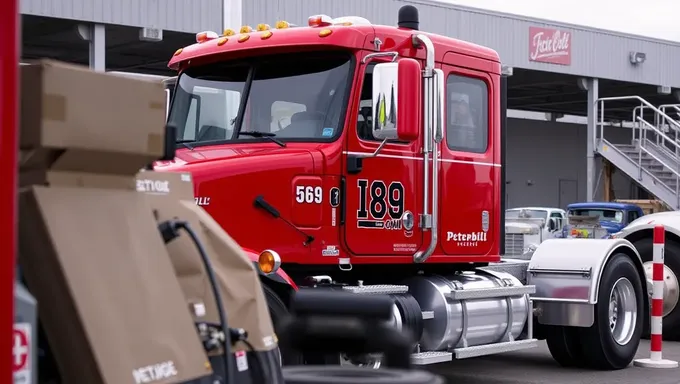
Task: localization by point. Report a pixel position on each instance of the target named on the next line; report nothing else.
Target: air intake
(408, 17)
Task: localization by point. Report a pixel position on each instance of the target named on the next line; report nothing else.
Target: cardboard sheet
(109, 299)
(239, 283)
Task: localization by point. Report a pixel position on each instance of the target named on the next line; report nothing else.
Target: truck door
(384, 190)
(469, 170)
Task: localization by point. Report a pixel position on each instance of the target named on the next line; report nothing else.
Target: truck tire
(671, 322)
(356, 375)
(278, 311)
(612, 341)
(564, 345)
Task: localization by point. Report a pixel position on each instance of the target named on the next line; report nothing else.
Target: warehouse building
(564, 125)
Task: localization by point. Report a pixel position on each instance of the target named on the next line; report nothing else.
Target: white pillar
(593, 95)
(232, 17)
(232, 14)
(97, 40)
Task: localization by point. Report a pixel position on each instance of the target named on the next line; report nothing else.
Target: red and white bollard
(656, 359)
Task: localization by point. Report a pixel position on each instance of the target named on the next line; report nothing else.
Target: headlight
(529, 231)
(269, 262)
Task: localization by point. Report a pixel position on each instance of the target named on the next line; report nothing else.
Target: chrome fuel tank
(466, 323)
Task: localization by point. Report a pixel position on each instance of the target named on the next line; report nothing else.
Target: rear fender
(567, 273)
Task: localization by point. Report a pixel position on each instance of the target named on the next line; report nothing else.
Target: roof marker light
(325, 32)
(229, 32)
(243, 38)
(178, 52)
(319, 21)
(246, 29)
(222, 41)
(263, 27)
(204, 36)
(266, 34)
(282, 24)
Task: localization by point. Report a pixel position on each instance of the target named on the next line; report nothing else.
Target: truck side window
(365, 116)
(632, 216)
(467, 125)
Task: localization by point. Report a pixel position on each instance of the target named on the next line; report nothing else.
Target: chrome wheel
(671, 288)
(622, 311)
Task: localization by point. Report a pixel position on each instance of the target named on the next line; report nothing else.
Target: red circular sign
(20, 350)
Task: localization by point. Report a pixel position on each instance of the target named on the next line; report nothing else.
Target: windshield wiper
(185, 144)
(266, 135)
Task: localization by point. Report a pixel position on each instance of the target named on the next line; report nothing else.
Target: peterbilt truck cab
(370, 159)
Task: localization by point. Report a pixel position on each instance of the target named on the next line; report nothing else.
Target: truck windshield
(612, 215)
(526, 214)
(299, 97)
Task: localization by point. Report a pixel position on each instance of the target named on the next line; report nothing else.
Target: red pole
(9, 105)
(656, 359)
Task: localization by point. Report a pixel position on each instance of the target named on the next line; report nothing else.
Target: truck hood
(228, 181)
(520, 227)
(185, 157)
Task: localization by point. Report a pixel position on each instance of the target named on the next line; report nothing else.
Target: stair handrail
(657, 131)
(676, 107)
(652, 127)
(643, 102)
(643, 140)
(640, 110)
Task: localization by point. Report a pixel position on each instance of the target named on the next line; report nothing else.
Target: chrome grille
(514, 244)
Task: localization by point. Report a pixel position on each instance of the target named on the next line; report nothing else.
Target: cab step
(492, 349)
(427, 358)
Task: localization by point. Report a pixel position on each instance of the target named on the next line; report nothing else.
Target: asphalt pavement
(536, 366)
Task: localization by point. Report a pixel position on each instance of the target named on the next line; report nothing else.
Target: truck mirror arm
(375, 153)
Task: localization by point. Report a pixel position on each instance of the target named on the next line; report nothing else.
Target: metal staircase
(651, 156)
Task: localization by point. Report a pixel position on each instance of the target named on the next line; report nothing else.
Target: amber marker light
(269, 262)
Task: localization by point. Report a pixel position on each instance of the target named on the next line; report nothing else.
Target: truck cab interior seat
(364, 128)
(307, 124)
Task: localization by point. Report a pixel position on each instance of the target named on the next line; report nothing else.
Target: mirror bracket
(355, 160)
(375, 153)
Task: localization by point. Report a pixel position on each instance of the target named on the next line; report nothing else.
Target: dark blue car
(613, 216)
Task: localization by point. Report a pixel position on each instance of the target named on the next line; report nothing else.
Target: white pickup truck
(527, 227)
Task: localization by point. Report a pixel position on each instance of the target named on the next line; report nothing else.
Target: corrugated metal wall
(177, 15)
(594, 53)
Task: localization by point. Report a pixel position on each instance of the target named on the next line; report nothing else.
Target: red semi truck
(369, 158)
